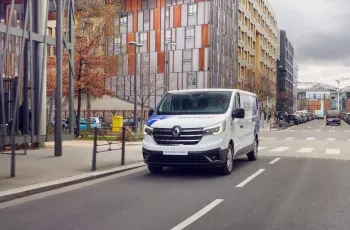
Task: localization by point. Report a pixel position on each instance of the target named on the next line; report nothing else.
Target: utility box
(117, 123)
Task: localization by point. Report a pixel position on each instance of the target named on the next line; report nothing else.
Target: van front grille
(186, 137)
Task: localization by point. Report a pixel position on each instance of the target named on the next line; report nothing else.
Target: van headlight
(148, 130)
(215, 129)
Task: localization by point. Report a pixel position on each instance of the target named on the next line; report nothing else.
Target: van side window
(237, 101)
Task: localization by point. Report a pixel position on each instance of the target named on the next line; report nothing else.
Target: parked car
(83, 124)
(293, 119)
(333, 117)
(188, 129)
(347, 118)
(301, 114)
(319, 114)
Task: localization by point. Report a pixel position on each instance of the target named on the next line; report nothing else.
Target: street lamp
(166, 75)
(135, 44)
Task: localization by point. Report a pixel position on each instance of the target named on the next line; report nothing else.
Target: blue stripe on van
(156, 118)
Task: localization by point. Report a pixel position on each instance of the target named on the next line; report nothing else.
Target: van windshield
(215, 102)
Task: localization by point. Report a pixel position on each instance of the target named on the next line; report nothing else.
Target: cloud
(319, 30)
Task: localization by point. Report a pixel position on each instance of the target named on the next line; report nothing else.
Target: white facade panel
(184, 81)
(200, 80)
(152, 41)
(171, 61)
(162, 40)
(162, 17)
(178, 61)
(130, 22)
(207, 12)
(206, 58)
(173, 81)
(171, 17)
(153, 62)
(140, 20)
(201, 13)
(180, 38)
(173, 37)
(151, 19)
(183, 15)
(198, 37)
(195, 59)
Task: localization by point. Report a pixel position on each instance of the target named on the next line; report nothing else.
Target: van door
(238, 127)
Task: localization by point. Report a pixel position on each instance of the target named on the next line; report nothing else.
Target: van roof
(212, 90)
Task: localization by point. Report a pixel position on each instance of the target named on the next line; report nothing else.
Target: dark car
(333, 117)
(293, 119)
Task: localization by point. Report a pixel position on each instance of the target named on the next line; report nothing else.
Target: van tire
(228, 166)
(253, 155)
(155, 169)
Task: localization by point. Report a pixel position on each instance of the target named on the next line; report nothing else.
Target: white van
(202, 128)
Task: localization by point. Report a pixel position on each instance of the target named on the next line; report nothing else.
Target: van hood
(185, 121)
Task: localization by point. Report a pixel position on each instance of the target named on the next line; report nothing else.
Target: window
(143, 38)
(123, 23)
(191, 81)
(190, 37)
(168, 35)
(144, 4)
(187, 60)
(192, 14)
(49, 31)
(167, 17)
(237, 101)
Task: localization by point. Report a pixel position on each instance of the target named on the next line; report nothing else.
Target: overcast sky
(320, 32)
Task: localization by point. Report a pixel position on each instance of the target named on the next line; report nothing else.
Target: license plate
(175, 153)
(330, 119)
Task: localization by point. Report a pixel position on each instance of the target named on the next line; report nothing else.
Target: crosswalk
(281, 149)
(305, 138)
(318, 130)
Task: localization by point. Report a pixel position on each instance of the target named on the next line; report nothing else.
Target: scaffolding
(24, 23)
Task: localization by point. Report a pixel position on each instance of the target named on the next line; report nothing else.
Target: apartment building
(186, 44)
(258, 48)
(286, 74)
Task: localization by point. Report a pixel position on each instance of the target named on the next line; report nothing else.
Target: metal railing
(103, 135)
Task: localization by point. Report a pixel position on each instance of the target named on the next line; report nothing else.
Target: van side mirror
(238, 113)
(150, 112)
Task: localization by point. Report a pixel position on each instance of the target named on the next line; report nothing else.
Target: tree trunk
(141, 117)
(78, 113)
(88, 109)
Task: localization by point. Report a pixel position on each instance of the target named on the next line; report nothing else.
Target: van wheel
(155, 169)
(253, 155)
(228, 166)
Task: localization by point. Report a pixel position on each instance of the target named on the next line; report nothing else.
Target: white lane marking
(310, 138)
(332, 151)
(305, 150)
(261, 148)
(330, 139)
(274, 160)
(240, 185)
(290, 138)
(270, 138)
(197, 215)
(332, 130)
(318, 130)
(280, 149)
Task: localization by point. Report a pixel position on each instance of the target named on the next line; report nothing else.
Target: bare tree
(262, 87)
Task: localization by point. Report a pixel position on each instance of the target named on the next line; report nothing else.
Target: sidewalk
(42, 166)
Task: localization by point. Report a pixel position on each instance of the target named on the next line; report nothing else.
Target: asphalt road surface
(284, 189)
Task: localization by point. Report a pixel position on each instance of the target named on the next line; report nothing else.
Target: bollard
(94, 151)
(123, 146)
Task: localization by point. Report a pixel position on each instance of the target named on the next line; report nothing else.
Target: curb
(29, 190)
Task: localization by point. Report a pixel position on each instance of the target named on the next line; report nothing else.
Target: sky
(319, 31)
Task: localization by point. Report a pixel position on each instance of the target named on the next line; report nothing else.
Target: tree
(96, 22)
(147, 85)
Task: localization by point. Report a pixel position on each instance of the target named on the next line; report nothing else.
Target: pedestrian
(269, 117)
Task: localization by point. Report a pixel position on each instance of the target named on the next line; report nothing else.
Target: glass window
(123, 23)
(191, 81)
(215, 102)
(187, 60)
(144, 4)
(146, 20)
(143, 38)
(237, 101)
(192, 14)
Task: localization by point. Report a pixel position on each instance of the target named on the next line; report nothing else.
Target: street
(300, 181)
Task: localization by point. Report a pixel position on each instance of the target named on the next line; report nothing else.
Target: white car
(202, 128)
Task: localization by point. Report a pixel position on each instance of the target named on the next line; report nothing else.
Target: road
(284, 189)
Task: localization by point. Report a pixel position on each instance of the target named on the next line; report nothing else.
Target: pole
(165, 88)
(135, 92)
(94, 151)
(123, 146)
(72, 118)
(58, 103)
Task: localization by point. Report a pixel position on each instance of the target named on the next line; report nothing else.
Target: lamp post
(166, 75)
(135, 45)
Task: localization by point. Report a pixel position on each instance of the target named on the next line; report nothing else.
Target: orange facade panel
(128, 6)
(201, 59)
(158, 40)
(160, 62)
(177, 16)
(160, 3)
(148, 41)
(156, 19)
(205, 35)
(131, 38)
(134, 4)
(131, 64)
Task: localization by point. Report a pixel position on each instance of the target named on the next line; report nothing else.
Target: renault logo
(176, 131)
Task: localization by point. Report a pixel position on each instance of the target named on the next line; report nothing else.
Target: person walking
(269, 117)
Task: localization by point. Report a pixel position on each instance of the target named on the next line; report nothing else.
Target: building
(258, 49)
(185, 44)
(295, 85)
(285, 76)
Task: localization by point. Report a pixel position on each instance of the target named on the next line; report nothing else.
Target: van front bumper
(208, 158)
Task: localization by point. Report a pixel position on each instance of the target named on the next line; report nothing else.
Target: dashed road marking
(310, 138)
(290, 138)
(261, 148)
(240, 185)
(330, 139)
(274, 160)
